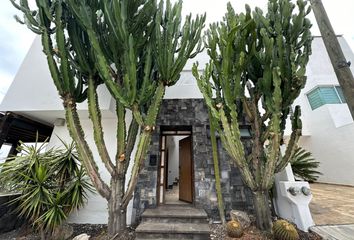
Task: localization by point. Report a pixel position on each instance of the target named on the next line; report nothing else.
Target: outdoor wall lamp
(245, 132)
(294, 191)
(306, 191)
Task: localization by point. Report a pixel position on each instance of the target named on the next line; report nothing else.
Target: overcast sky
(15, 39)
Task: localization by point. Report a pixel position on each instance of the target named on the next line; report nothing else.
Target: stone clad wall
(193, 112)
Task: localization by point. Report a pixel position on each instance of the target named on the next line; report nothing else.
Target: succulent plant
(257, 62)
(234, 229)
(283, 230)
(136, 48)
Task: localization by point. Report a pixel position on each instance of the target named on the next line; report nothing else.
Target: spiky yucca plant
(304, 165)
(51, 184)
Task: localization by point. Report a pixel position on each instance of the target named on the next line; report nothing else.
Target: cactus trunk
(262, 210)
(116, 213)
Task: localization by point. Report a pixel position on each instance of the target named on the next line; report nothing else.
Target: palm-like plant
(304, 165)
(52, 184)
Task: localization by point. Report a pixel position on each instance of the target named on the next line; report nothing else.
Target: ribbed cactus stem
(76, 132)
(144, 142)
(257, 68)
(95, 116)
(217, 170)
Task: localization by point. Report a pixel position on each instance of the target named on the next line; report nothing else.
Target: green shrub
(304, 165)
(52, 184)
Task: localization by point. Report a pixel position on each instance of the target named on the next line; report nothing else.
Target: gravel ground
(98, 232)
(218, 232)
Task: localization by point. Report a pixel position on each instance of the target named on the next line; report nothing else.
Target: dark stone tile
(193, 112)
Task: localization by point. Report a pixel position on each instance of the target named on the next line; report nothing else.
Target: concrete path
(332, 209)
(335, 232)
(332, 204)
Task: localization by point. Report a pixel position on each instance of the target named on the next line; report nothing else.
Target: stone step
(155, 230)
(175, 214)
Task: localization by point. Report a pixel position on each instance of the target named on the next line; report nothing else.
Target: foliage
(283, 230)
(256, 70)
(52, 183)
(136, 48)
(304, 165)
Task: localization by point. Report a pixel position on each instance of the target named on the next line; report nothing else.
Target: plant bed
(95, 231)
(218, 232)
(99, 232)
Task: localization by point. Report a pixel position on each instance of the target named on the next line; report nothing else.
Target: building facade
(327, 132)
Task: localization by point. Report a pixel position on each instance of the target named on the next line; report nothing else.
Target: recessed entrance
(175, 180)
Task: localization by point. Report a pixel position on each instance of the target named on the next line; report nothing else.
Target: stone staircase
(173, 222)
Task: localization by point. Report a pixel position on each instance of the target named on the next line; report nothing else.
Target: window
(340, 94)
(325, 95)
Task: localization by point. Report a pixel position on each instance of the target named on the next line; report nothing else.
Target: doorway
(175, 180)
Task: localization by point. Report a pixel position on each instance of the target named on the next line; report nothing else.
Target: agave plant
(304, 165)
(52, 184)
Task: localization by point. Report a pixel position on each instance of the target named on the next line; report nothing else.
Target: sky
(16, 39)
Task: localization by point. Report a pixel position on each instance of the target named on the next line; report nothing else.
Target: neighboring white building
(328, 129)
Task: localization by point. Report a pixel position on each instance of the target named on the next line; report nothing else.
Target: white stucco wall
(33, 88)
(33, 93)
(95, 211)
(173, 157)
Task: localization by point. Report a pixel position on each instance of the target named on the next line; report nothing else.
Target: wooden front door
(185, 170)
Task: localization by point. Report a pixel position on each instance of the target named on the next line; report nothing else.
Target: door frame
(162, 164)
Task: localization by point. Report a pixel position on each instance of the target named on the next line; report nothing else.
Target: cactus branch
(95, 116)
(131, 139)
(144, 142)
(217, 170)
(121, 135)
(84, 150)
(294, 137)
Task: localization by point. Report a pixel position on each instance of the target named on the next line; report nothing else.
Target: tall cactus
(256, 70)
(135, 48)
